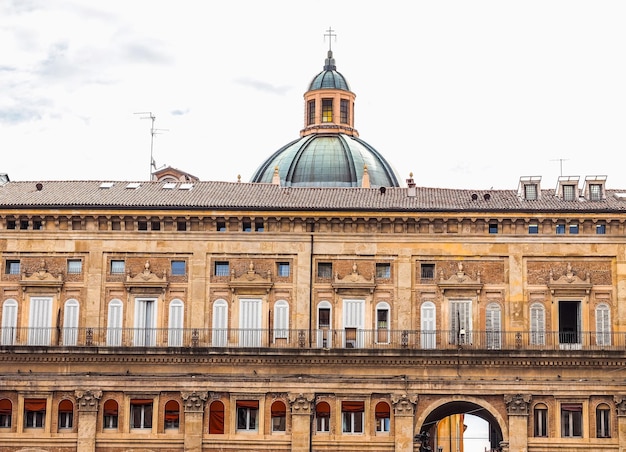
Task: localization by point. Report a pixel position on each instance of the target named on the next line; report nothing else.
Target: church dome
(329, 152)
(327, 160)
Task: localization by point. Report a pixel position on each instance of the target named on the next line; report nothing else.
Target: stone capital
(620, 404)
(404, 404)
(301, 403)
(194, 401)
(517, 404)
(87, 400)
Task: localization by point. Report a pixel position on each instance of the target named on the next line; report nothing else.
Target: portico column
(301, 412)
(87, 402)
(404, 421)
(620, 405)
(517, 410)
(194, 411)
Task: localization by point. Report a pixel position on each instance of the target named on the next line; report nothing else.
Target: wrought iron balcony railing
(348, 338)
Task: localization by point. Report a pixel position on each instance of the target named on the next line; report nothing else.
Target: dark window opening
(427, 271)
(344, 111)
(221, 226)
(181, 225)
(11, 224)
(324, 270)
(247, 226)
(142, 225)
(156, 226)
(383, 270)
(12, 267)
(493, 228)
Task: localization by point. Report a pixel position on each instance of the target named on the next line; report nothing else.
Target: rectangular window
(24, 224)
(283, 269)
(74, 266)
(344, 109)
(324, 317)
(327, 110)
(595, 192)
(12, 267)
(179, 268)
(427, 271)
(222, 268)
(310, 113)
(569, 192)
(530, 192)
(77, 225)
(324, 270)
(259, 226)
(322, 422)
(142, 225)
(118, 266)
(602, 423)
(573, 228)
(571, 420)
(5, 416)
(533, 228)
(541, 422)
(141, 413)
(600, 229)
(247, 414)
(247, 226)
(37, 225)
(383, 270)
(11, 224)
(156, 226)
(560, 229)
(221, 226)
(34, 413)
(66, 419)
(352, 414)
(181, 226)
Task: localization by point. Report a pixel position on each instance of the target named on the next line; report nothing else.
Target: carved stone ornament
(460, 280)
(301, 403)
(146, 279)
(194, 401)
(620, 404)
(41, 278)
(570, 281)
(251, 281)
(88, 400)
(353, 281)
(403, 404)
(517, 404)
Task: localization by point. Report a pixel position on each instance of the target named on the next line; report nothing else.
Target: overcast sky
(463, 94)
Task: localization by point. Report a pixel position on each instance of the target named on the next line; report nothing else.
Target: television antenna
(153, 132)
(560, 165)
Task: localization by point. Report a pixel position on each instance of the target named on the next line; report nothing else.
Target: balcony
(348, 339)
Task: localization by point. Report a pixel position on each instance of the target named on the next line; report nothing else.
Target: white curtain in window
(114, 323)
(175, 323)
(220, 324)
(537, 324)
(428, 337)
(493, 326)
(145, 322)
(281, 320)
(70, 322)
(461, 321)
(250, 322)
(9, 322)
(603, 324)
(40, 321)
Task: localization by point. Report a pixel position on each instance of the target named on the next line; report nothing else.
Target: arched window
(537, 324)
(6, 413)
(383, 417)
(216, 418)
(603, 421)
(324, 322)
(322, 417)
(493, 326)
(382, 323)
(172, 415)
(70, 322)
(9, 322)
(220, 323)
(279, 416)
(175, 323)
(66, 414)
(428, 337)
(603, 324)
(114, 323)
(110, 415)
(281, 320)
(540, 414)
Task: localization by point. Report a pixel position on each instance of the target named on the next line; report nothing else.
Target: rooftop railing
(348, 338)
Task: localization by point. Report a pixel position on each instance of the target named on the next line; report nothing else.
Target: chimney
(410, 183)
(276, 177)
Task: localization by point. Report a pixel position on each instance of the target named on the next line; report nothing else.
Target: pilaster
(193, 403)
(87, 403)
(620, 406)
(517, 407)
(301, 421)
(404, 421)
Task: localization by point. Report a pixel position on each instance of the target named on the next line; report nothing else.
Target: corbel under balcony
(353, 281)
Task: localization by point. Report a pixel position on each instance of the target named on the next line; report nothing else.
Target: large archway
(429, 418)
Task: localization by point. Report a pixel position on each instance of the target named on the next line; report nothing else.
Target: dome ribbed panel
(319, 160)
(329, 80)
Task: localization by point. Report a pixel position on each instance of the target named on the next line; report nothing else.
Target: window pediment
(42, 278)
(353, 281)
(460, 280)
(251, 281)
(569, 282)
(147, 279)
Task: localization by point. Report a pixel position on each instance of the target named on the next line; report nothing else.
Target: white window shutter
(9, 322)
(175, 323)
(70, 322)
(114, 323)
(220, 324)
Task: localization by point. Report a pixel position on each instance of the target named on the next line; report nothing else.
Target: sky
(462, 94)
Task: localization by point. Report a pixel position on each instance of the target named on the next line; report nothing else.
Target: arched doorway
(443, 421)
